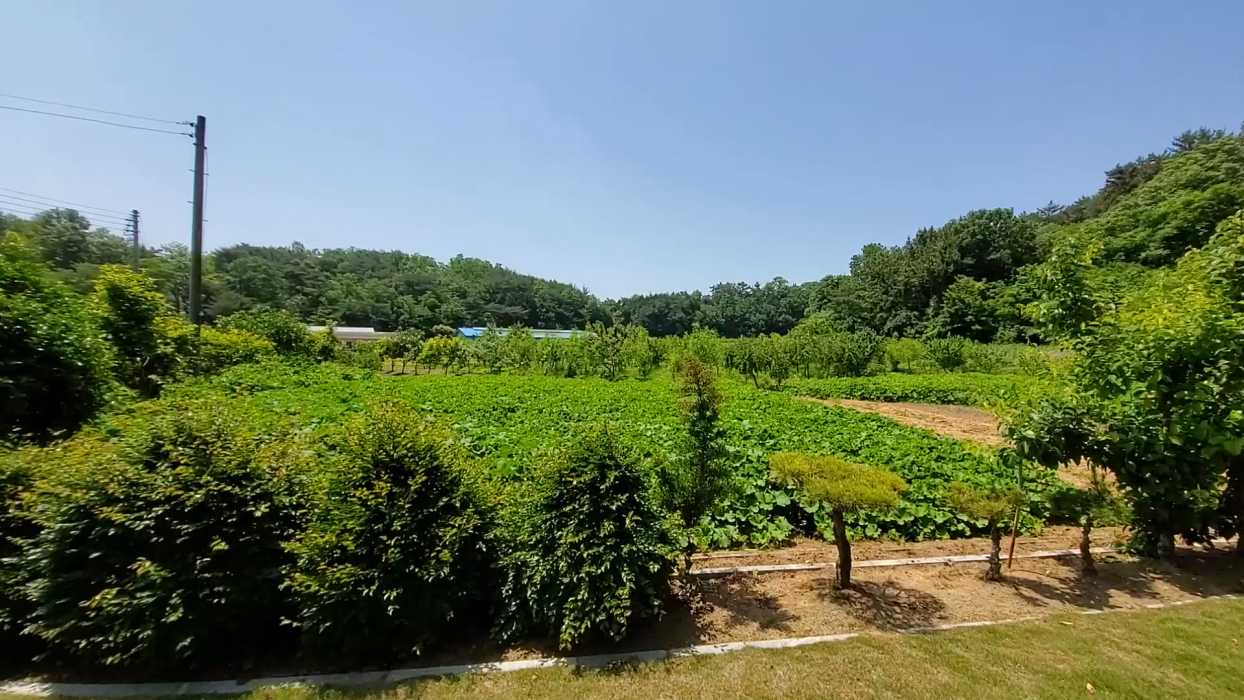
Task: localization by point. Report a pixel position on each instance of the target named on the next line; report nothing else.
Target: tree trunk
(994, 573)
(842, 573)
(1086, 548)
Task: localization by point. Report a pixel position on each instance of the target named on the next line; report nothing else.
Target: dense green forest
(968, 277)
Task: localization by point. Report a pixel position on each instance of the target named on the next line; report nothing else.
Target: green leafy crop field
(508, 420)
(966, 389)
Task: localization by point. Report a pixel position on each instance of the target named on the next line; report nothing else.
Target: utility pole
(196, 221)
(134, 231)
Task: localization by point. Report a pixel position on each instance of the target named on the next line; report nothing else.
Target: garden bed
(817, 551)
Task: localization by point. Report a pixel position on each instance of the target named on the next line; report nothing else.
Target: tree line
(967, 278)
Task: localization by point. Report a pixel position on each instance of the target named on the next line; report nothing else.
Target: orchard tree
(1153, 387)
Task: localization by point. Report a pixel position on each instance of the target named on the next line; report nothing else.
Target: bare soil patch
(816, 551)
(959, 422)
(795, 604)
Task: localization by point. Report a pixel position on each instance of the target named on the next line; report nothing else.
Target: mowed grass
(1190, 653)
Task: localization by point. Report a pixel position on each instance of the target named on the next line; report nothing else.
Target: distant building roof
(352, 332)
(473, 332)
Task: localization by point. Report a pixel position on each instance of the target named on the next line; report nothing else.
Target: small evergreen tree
(701, 478)
(586, 552)
(1096, 503)
(991, 505)
(844, 488)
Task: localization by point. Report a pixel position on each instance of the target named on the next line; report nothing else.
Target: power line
(46, 200)
(35, 211)
(97, 121)
(92, 109)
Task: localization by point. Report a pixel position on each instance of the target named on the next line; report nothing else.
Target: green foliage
(54, 365)
(151, 344)
(16, 473)
(701, 478)
(964, 389)
(988, 504)
(440, 351)
(519, 348)
(220, 349)
(443, 331)
(161, 546)
(837, 483)
(586, 555)
(392, 553)
(851, 354)
(705, 345)
(281, 328)
(948, 354)
(1154, 385)
(904, 354)
(1098, 503)
(987, 359)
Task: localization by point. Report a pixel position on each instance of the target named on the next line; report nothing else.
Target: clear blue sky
(627, 146)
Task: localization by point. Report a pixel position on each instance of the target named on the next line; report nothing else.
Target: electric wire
(62, 201)
(97, 121)
(28, 210)
(92, 109)
(57, 204)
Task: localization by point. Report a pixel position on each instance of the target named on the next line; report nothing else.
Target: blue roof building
(473, 332)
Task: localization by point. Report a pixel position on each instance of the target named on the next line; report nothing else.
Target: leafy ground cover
(508, 421)
(965, 389)
(1191, 652)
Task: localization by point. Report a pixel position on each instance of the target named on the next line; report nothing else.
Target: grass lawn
(1190, 652)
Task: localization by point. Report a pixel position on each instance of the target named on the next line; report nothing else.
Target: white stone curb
(869, 563)
(116, 690)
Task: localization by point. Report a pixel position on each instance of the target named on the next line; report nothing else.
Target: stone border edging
(869, 563)
(115, 690)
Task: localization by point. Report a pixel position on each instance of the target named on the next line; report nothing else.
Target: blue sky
(629, 147)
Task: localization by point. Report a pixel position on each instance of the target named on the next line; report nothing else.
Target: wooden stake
(1010, 556)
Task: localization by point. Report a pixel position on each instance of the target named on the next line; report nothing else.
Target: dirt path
(955, 421)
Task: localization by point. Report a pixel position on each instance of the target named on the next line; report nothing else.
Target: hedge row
(183, 535)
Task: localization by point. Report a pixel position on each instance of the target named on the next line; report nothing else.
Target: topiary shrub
(841, 486)
(393, 552)
(54, 365)
(990, 505)
(587, 554)
(162, 547)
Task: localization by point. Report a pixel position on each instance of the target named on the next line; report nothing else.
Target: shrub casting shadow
(885, 605)
(740, 598)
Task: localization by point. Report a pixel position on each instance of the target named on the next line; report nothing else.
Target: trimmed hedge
(587, 553)
(161, 547)
(393, 553)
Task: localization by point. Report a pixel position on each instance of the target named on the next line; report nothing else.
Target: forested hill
(964, 278)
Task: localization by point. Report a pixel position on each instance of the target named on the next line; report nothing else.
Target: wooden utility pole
(196, 221)
(134, 232)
